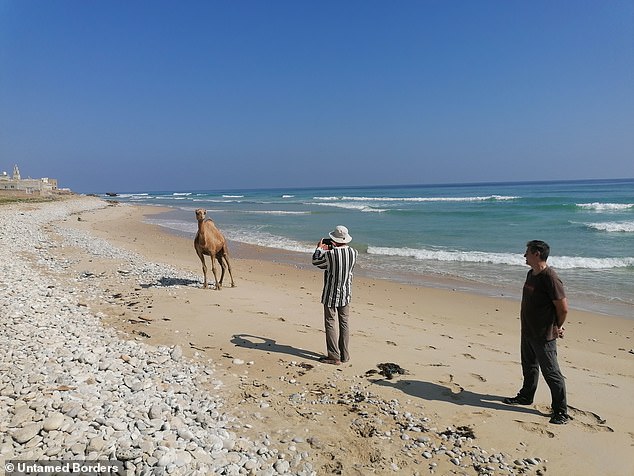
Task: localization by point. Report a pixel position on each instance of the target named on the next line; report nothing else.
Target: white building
(16, 185)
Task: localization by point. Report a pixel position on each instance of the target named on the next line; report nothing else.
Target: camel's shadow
(249, 341)
(168, 281)
(433, 391)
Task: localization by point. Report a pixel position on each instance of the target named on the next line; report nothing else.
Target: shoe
(328, 360)
(517, 400)
(331, 361)
(560, 418)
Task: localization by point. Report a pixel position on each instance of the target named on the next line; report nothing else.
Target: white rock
(53, 422)
(282, 466)
(22, 414)
(24, 434)
(177, 353)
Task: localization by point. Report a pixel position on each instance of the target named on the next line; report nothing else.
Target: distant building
(16, 185)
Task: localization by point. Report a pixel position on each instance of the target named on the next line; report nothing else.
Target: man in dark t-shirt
(543, 313)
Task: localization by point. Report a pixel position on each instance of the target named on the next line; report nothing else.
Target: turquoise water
(462, 236)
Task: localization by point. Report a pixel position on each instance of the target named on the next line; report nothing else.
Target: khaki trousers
(337, 346)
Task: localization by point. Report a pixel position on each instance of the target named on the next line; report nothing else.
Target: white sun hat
(340, 235)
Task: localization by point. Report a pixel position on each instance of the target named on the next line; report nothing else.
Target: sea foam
(418, 199)
(351, 206)
(561, 262)
(601, 207)
(449, 255)
(622, 227)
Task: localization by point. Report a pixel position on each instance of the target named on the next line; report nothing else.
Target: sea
(470, 237)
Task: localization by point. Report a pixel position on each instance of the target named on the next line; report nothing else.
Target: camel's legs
(222, 267)
(226, 256)
(202, 260)
(213, 270)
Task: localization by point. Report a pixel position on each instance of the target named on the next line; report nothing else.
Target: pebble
(177, 353)
(282, 466)
(53, 421)
(26, 432)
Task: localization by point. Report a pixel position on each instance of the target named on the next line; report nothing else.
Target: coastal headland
(105, 320)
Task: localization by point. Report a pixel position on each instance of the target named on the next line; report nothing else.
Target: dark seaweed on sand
(461, 432)
(388, 370)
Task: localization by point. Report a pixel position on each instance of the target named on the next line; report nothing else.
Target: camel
(209, 241)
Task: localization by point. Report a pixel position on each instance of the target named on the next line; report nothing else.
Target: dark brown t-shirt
(538, 312)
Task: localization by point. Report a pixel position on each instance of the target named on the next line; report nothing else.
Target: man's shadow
(249, 341)
(432, 391)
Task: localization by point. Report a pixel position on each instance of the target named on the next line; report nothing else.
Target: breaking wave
(418, 199)
(351, 206)
(603, 207)
(560, 262)
(622, 227)
(272, 212)
(134, 196)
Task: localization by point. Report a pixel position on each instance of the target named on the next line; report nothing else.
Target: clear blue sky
(124, 96)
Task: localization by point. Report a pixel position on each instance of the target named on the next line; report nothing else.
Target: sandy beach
(459, 353)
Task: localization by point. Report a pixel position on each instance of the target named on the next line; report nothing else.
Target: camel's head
(201, 213)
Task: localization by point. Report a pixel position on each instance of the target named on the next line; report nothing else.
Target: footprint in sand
(469, 356)
(589, 420)
(535, 428)
(479, 377)
(453, 389)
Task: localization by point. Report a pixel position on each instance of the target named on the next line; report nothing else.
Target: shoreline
(434, 281)
(263, 338)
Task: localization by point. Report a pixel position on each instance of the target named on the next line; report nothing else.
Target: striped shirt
(338, 264)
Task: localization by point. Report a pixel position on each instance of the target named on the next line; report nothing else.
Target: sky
(133, 96)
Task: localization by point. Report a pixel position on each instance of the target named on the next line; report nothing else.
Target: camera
(328, 242)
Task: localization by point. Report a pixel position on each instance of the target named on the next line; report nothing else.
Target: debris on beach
(388, 370)
(142, 334)
(459, 432)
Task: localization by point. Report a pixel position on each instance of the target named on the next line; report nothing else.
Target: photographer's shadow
(432, 391)
(249, 341)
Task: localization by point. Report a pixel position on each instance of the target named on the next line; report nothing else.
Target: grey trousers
(537, 355)
(337, 346)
